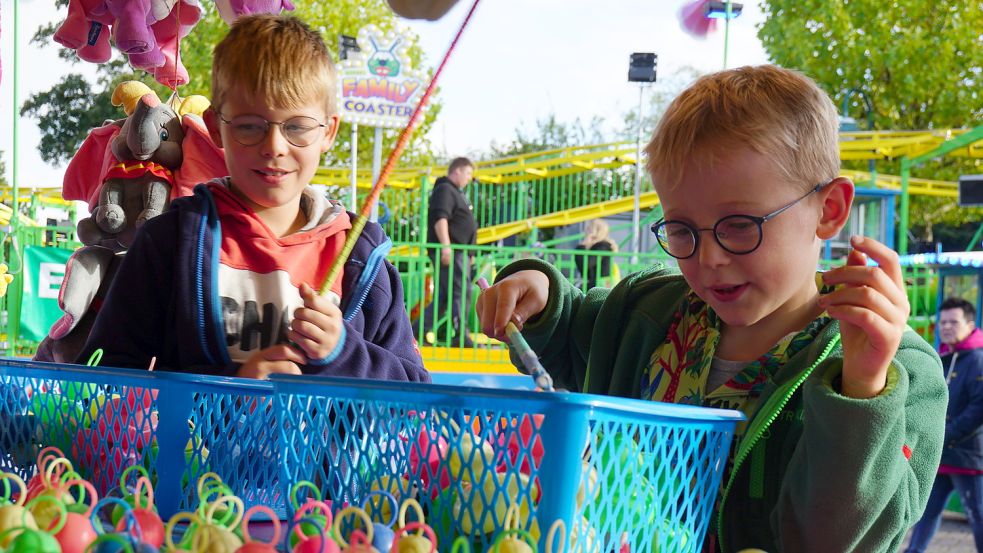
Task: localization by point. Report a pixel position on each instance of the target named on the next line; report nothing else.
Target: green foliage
(549, 134)
(659, 96)
(72, 107)
(918, 63)
(3, 171)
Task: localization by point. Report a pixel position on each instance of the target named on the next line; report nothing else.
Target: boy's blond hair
(276, 58)
(776, 112)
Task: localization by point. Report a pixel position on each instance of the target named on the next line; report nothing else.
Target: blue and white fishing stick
(528, 357)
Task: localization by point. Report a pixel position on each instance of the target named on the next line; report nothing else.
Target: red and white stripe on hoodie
(259, 274)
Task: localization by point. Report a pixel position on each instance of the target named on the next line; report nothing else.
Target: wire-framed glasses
(737, 234)
(250, 130)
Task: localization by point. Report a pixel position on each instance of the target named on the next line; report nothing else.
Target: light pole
(641, 70)
(346, 45)
(726, 10)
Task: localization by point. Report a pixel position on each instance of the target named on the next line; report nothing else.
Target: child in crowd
(846, 405)
(224, 282)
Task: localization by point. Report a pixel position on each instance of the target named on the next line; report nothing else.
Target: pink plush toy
(182, 18)
(162, 59)
(86, 31)
(230, 10)
(132, 31)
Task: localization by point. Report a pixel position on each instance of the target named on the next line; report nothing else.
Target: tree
(72, 107)
(659, 95)
(548, 134)
(3, 172)
(918, 63)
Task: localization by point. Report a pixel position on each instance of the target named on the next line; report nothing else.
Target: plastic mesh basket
(616, 472)
(177, 426)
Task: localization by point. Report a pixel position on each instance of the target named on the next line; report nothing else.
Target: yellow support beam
(567, 217)
(916, 186)
(876, 145)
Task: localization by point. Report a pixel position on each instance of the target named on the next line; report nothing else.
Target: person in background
(451, 221)
(596, 268)
(961, 468)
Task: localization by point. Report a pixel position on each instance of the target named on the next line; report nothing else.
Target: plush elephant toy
(146, 151)
(128, 171)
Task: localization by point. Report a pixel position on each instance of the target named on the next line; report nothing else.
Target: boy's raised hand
(278, 359)
(872, 307)
(316, 327)
(517, 298)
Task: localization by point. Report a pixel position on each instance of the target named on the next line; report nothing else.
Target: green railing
(10, 304)
(421, 283)
(405, 213)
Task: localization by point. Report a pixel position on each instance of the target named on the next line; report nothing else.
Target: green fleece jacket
(815, 470)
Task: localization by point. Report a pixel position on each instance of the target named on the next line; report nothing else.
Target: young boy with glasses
(224, 282)
(846, 405)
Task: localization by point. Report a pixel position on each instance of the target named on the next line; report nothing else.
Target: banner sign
(44, 269)
(378, 86)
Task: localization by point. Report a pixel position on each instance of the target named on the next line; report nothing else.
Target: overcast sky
(519, 60)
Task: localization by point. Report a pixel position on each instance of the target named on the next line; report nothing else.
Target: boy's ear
(213, 125)
(330, 132)
(837, 198)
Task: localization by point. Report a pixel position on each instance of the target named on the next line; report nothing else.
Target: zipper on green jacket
(752, 438)
(757, 487)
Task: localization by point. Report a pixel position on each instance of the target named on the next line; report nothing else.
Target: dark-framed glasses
(250, 130)
(737, 234)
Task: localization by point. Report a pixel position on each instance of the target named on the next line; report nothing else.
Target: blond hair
(596, 230)
(776, 112)
(275, 58)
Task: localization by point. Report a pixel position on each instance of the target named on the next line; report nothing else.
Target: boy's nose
(711, 253)
(274, 144)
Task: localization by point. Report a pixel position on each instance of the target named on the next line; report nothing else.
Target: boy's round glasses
(250, 130)
(737, 234)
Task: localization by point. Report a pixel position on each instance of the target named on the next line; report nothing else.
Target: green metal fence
(422, 283)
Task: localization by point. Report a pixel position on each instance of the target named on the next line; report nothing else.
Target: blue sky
(518, 61)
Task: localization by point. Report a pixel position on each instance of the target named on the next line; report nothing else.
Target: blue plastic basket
(616, 472)
(177, 426)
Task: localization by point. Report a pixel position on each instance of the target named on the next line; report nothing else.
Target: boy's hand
(279, 359)
(873, 309)
(316, 327)
(517, 298)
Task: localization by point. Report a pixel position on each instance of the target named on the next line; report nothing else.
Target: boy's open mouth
(728, 293)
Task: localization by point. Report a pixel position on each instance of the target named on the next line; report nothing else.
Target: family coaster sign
(378, 85)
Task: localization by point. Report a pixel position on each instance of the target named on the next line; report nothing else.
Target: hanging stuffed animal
(230, 10)
(128, 171)
(131, 31)
(176, 25)
(147, 31)
(86, 32)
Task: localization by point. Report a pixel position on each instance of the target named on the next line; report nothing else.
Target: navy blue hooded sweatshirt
(164, 303)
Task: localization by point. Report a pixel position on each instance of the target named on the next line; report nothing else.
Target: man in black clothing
(451, 221)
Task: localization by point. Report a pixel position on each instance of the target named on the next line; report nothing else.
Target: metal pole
(726, 31)
(354, 204)
(376, 168)
(635, 215)
(13, 302)
(903, 231)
